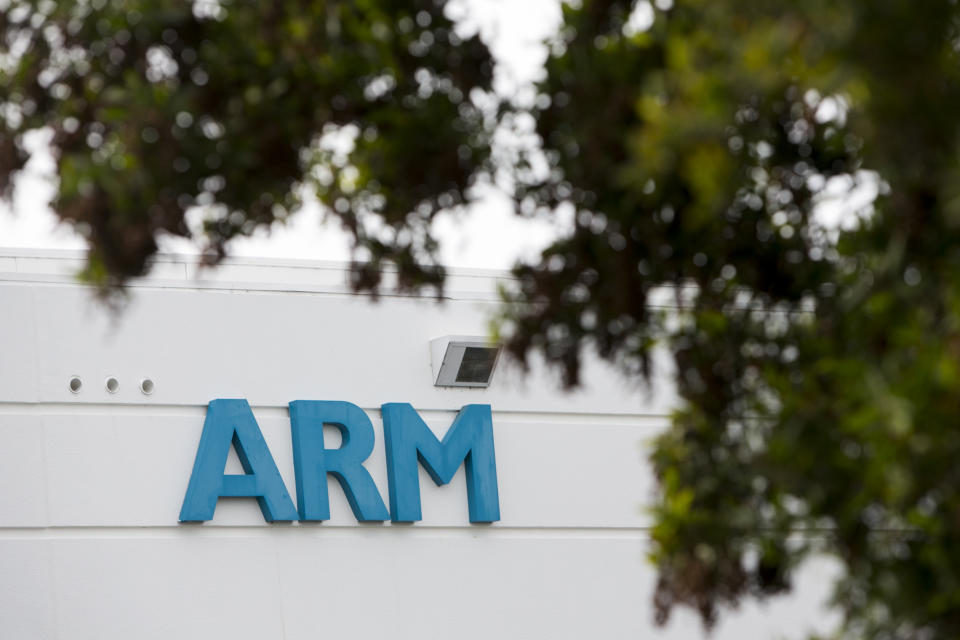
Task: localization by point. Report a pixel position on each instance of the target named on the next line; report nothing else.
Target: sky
(487, 236)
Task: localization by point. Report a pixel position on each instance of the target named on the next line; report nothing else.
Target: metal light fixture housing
(463, 361)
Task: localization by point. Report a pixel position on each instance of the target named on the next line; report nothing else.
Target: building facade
(101, 415)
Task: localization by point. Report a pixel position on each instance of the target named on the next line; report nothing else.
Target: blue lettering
(469, 441)
(313, 462)
(409, 443)
(232, 422)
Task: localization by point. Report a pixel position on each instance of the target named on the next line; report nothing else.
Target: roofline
(185, 271)
(193, 259)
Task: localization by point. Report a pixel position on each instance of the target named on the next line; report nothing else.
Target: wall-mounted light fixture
(463, 361)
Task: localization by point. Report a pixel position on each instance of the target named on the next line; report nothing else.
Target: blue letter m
(469, 441)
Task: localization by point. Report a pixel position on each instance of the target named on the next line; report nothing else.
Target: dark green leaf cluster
(818, 364)
(157, 106)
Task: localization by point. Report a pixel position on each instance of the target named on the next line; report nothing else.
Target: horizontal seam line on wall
(181, 531)
(194, 408)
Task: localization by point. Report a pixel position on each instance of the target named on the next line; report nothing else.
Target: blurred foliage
(696, 144)
(818, 363)
(158, 106)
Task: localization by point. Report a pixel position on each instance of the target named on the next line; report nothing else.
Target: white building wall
(91, 484)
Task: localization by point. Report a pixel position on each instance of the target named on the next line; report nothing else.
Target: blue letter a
(232, 422)
(469, 441)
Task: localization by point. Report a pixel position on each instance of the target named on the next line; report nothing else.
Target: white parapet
(93, 473)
